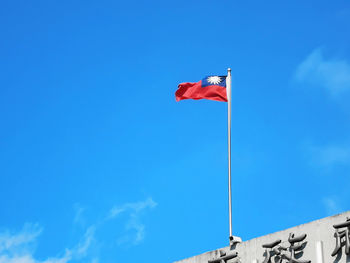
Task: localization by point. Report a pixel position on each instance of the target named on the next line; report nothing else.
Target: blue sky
(99, 164)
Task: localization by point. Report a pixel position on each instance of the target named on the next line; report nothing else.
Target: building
(321, 241)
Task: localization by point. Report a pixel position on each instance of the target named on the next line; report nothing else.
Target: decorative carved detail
(224, 257)
(342, 234)
(280, 253)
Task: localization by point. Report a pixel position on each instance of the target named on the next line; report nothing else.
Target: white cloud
(28, 258)
(332, 74)
(19, 247)
(83, 246)
(12, 242)
(134, 207)
(17, 259)
(133, 224)
(138, 206)
(115, 211)
(79, 210)
(331, 205)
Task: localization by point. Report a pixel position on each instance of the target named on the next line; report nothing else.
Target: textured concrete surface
(319, 244)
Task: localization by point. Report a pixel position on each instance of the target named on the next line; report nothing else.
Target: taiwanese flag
(210, 88)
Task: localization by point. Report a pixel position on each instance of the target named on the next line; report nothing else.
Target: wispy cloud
(16, 247)
(331, 205)
(134, 207)
(85, 243)
(10, 242)
(79, 210)
(135, 229)
(332, 74)
(115, 211)
(19, 247)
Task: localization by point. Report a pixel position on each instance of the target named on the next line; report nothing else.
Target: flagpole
(233, 239)
(228, 90)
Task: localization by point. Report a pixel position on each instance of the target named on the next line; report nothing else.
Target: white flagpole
(228, 90)
(233, 239)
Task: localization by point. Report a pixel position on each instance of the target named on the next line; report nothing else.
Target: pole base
(234, 240)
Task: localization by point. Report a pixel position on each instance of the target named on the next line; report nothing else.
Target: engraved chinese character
(272, 249)
(286, 254)
(225, 257)
(342, 235)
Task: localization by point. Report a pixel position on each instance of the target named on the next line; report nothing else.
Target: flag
(210, 88)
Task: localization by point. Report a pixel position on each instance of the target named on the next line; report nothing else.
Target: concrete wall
(319, 247)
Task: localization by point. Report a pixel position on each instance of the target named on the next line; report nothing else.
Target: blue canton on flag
(214, 80)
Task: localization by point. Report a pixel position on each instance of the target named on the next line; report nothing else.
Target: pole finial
(229, 69)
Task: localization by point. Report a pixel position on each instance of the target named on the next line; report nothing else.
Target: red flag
(210, 88)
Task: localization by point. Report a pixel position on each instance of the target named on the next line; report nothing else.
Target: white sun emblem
(214, 80)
